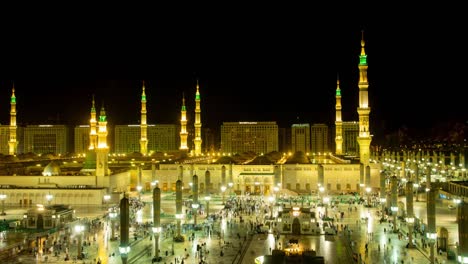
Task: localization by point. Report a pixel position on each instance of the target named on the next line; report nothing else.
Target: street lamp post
(394, 201)
(321, 190)
(431, 221)
(139, 188)
(230, 187)
(3, 197)
(124, 247)
(195, 212)
(49, 198)
(79, 231)
(275, 190)
(207, 199)
(223, 189)
(106, 199)
(326, 200)
(112, 216)
(272, 200)
(368, 190)
(156, 220)
(409, 211)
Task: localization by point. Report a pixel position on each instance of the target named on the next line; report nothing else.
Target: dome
(52, 169)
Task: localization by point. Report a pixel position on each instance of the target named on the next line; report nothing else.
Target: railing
(243, 251)
(455, 188)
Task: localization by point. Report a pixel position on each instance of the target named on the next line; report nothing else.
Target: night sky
(281, 70)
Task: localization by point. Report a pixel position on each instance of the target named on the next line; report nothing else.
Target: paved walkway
(336, 249)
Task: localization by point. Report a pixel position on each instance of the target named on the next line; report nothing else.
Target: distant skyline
(286, 75)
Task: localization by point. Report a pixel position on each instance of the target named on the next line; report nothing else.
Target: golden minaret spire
(183, 126)
(364, 139)
(102, 147)
(12, 143)
(198, 140)
(92, 125)
(143, 125)
(338, 121)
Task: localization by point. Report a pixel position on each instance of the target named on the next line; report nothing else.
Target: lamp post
(79, 231)
(326, 200)
(139, 188)
(106, 199)
(207, 199)
(230, 187)
(156, 220)
(431, 221)
(272, 200)
(321, 190)
(195, 203)
(195, 212)
(409, 211)
(361, 189)
(49, 198)
(275, 190)
(3, 197)
(124, 247)
(223, 189)
(112, 216)
(368, 190)
(416, 186)
(394, 201)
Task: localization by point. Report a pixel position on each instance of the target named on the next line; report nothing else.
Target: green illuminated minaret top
(102, 114)
(183, 102)
(363, 56)
(13, 97)
(143, 95)
(197, 94)
(93, 106)
(338, 91)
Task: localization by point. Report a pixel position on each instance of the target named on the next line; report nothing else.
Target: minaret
(143, 126)
(364, 139)
(102, 148)
(12, 143)
(338, 121)
(183, 126)
(92, 125)
(198, 140)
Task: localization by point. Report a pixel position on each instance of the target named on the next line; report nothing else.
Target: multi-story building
(319, 138)
(161, 137)
(284, 139)
(350, 134)
(42, 139)
(259, 137)
(5, 136)
(210, 140)
(81, 139)
(300, 135)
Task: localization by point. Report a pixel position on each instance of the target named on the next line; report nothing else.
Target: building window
(288, 186)
(338, 187)
(298, 186)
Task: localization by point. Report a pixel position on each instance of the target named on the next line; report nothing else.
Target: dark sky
(281, 70)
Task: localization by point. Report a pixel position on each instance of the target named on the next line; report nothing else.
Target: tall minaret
(102, 147)
(12, 143)
(143, 126)
(364, 139)
(198, 140)
(92, 131)
(338, 121)
(183, 126)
